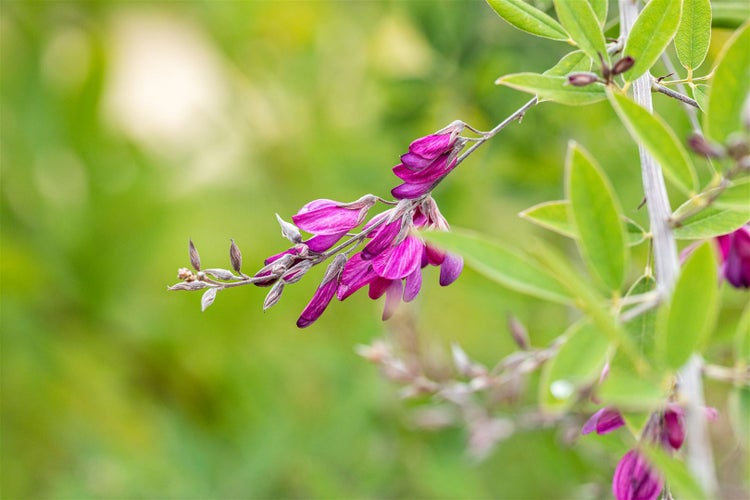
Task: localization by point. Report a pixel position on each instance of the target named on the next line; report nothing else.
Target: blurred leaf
(729, 87)
(600, 8)
(694, 33)
(553, 88)
(689, 317)
(528, 18)
(641, 328)
(627, 390)
(653, 30)
(660, 140)
(501, 264)
(681, 483)
(709, 222)
(729, 14)
(553, 215)
(596, 215)
(735, 197)
(570, 62)
(579, 20)
(742, 338)
(700, 94)
(739, 413)
(578, 363)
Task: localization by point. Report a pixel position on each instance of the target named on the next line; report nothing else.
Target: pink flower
(603, 421)
(634, 479)
(325, 292)
(735, 257)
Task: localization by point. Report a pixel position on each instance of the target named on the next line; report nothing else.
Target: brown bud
(235, 256)
(518, 332)
(606, 70)
(702, 146)
(623, 65)
(582, 79)
(195, 259)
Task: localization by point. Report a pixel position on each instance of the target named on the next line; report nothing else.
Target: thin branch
(676, 95)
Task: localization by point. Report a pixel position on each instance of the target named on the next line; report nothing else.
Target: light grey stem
(667, 268)
(689, 107)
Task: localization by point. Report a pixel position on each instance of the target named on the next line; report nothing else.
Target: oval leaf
(595, 214)
(528, 18)
(689, 317)
(653, 30)
(600, 8)
(570, 62)
(729, 88)
(553, 88)
(709, 222)
(660, 140)
(501, 264)
(579, 20)
(694, 33)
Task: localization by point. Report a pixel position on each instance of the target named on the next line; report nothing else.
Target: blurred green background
(129, 127)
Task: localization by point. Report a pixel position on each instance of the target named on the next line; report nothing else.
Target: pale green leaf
(729, 88)
(653, 30)
(734, 197)
(570, 63)
(700, 94)
(501, 264)
(681, 483)
(600, 8)
(641, 328)
(528, 18)
(729, 14)
(596, 216)
(694, 33)
(687, 320)
(630, 391)
(554, 88)
(579, 20)
(660, 140)
(709, 222)
(578, 363)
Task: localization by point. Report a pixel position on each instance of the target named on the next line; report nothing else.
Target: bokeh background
(129, 127)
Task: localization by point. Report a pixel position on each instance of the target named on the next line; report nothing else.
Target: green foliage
(653, 30)
(729, 14)
(681, 483)
(631, 391)
(580, 21)
(600, 8)
(554, 88)
(660, 140)
(688, 319)
(709, 222)
(570, 62)
(528, 18)
(694, 33)
(596, 215)
(730, 87)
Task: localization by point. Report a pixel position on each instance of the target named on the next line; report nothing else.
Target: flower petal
(412, 285)
(399, 261)
(383, 237)
(357, 273)
(433, 145)
(407, 191)
(318, 303)
(634, 479)
(392, 298)
(378, 286)
(322, 242)
(327, 220)
(450, 269)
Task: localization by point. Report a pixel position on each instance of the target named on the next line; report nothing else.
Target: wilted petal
(450, 269)
(392, 298)
(399, 261)
(603, 421)
(635, 480)
(432, 145)
(412, 285)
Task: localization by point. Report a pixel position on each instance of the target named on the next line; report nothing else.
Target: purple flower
(325, 292)
(735, 257)
(634, 479)
(603, 421)
(328, 217)
(673, 427)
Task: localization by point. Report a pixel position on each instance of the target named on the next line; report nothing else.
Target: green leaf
(660, 140)
(681, 483)
(729, 14)
(553, 215)
(578, 363)
(553, 88)
(694, 33)
(501, 264)
(529, 19)
(641, 328)
(579, 20)
(729, 87)
(595, 214)
(709, 222)
(734, 197)
(600, 8)
(653, 30)
(629, 391)
(700, 94)
(689, 317)
(571, 62)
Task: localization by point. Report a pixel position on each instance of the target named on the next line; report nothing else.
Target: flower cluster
(634, 478)
(386, 255)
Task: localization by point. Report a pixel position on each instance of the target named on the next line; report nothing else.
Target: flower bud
(623, 65)
(582, 79)
(195, 259)
(702, 146)
(274, 295)
(235, 256)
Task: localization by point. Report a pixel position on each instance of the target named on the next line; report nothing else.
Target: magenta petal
(737, 264)
(399, 261)
(435, 256)
(407, 191)
(450, 269)
(674, 427)
(635, 480)
(412, 285)
(322, 242)
(273, 258)
(392, 298)
(603, 421)
(357, 273)
(378, 286)
(328, 220)
(414, 162)
(318, 303)
(432, 145)
(382, 239)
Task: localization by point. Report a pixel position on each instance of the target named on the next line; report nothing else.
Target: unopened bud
(606, 70)
(296, 272)
(195, 259)
(334, 268)
(518, 332)
(235, 256)
(623, 65)
(289, 230)
(274, 295)
(702, 146)
(582, 79)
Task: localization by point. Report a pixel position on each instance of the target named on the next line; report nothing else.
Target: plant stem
(667, 269)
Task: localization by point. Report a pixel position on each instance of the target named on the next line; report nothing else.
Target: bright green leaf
(579, 20)
(660, 140)
(653, 30)
(571, 62)
(694, 33)
(600, 8)
(709, 222)
(554, 88)
(686, 321)
(729, 14)
(501, 264)
(595, 214)
(629, 391)
(734, 197)
(578, 363)
(681, 483)
(529, 19)
(729, 88)
(641, 328)
(700, 94)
